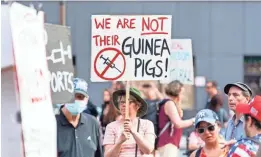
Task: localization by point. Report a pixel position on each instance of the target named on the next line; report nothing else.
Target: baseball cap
(240, 85)
(206, 115)
(80, 86)
(253, 108)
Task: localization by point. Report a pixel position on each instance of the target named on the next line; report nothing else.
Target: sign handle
(127, 116)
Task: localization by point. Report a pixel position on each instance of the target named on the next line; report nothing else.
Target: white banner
(181, 58)
(130, 47)
(38, 121)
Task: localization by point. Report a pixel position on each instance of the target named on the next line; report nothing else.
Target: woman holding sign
(129, 137)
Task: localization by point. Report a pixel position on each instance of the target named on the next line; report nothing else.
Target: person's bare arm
(193, 146)
(172, 113)
(145, 144)
(227, 144)
(112, 150)
(194, 142)
(193, 154)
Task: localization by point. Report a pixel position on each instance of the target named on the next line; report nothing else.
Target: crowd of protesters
(154, 125)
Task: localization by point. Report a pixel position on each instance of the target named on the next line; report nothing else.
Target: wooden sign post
(127, 116)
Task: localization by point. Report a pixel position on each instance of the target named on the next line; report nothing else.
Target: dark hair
(112, 114)
(120, 84)
(107, 90)
(256, 122)
(174, 88)
(213, 83)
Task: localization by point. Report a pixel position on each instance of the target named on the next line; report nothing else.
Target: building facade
(222, 33)
(225, 38)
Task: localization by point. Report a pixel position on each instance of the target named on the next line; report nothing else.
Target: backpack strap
(162, 102)
(136, 148)
(198, 152)
(164, 128)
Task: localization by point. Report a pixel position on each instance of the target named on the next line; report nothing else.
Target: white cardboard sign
(38, 121)
(181, 58)
(130, 47)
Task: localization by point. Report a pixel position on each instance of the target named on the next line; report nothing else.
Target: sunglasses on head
(202, 130)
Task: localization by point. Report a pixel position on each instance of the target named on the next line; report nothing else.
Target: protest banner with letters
(130, 47)
(38, 121)
(181, 68)
(59, 58)
(181, 58)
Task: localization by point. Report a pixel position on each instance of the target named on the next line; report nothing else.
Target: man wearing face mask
(78, 133)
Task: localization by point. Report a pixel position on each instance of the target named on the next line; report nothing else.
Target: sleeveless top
(172, 135)
(203, 154)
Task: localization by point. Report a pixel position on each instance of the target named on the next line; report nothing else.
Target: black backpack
(153, 112)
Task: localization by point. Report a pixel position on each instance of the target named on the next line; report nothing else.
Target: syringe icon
(108, 61)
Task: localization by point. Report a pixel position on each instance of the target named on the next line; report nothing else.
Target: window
(252, 73)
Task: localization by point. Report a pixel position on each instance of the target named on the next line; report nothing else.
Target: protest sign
(38, 121)
(130, 47)
(181, 58)
(59, 59)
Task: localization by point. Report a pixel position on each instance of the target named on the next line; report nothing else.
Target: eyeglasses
(202, 130)
(123, 102)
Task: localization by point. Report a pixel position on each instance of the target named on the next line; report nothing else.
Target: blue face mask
(58, 105)
(77, 107)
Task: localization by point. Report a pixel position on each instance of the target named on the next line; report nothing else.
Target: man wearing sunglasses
(237, 93)
(207, 128)
(248, 147)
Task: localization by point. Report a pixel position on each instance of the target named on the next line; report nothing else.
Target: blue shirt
(245, 147)
(234, 131)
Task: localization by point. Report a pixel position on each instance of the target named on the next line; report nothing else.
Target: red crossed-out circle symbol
(110, 63)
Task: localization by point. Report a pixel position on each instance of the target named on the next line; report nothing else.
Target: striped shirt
(115, 129)
(245, 147)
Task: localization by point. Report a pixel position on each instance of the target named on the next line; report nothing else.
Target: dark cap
(240, 85)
